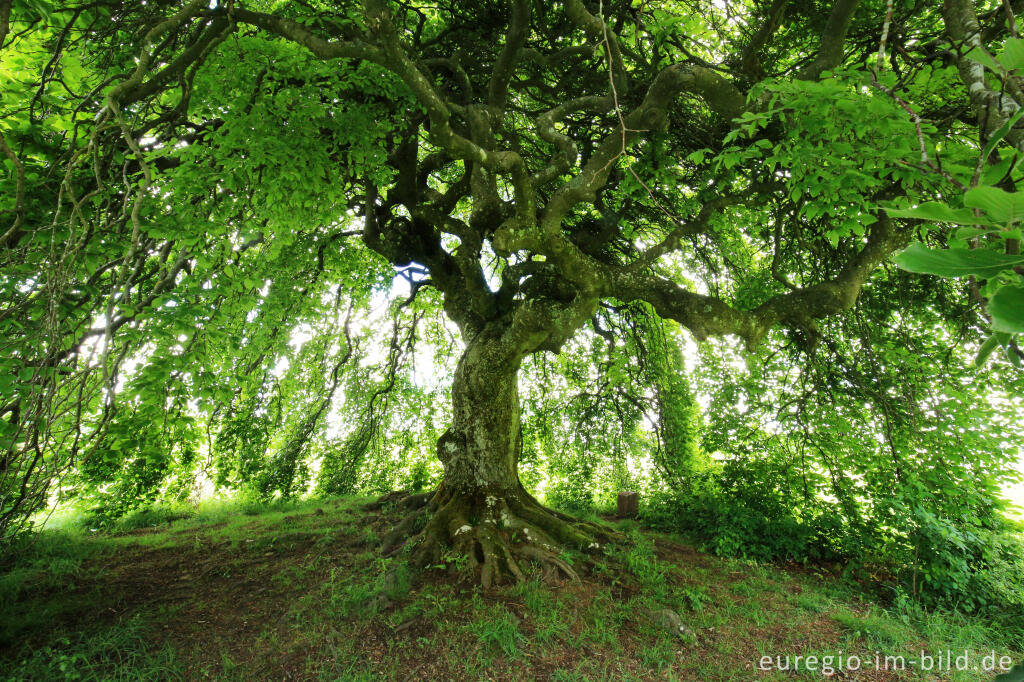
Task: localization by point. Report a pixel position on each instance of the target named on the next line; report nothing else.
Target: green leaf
(1012, 55)
(1000, 133)
(981, 56)
(1004, 206)
(972, 232)
(955, 262)
(1013, 355)
(996, 340)
(938, 212)
(991, 343)
(1007, 310)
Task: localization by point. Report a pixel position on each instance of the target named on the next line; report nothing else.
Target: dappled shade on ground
(301, 592)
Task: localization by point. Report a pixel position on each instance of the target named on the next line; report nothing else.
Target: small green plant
(694, 598)
(455, 560)
(103, 655)
(659, 654)
(498, 629)
(640, 559)
(536, 597)
(345, 597)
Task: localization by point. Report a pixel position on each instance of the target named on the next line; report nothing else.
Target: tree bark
(481, 449)
(481, 510)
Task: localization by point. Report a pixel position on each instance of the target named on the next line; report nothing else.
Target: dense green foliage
(243, 248)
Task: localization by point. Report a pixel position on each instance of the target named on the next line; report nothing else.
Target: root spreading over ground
(502, 536)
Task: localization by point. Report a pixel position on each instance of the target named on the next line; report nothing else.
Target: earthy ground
(301, 593)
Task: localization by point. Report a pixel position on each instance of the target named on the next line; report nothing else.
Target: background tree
(191, 181)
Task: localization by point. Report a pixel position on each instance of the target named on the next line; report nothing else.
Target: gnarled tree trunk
(481, 449)
(481, 509)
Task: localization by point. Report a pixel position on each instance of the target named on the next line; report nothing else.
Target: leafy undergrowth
(300, 592)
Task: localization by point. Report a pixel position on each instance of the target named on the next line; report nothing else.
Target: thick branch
(297, 33)
(5, 20)
(802, 306)
(540, 324)
(830, 49)
(992, 108)
(567, 154)
(135, 87)
(709, 316)
(721, 95)
(751, 60)
(518, 31)
(439, 112)
(597, 29)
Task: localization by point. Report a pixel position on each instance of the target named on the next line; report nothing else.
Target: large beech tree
(725, 163)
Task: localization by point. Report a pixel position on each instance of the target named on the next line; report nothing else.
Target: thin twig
(922, 145)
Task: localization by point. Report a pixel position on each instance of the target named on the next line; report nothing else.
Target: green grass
(124, 651)
(234, 591)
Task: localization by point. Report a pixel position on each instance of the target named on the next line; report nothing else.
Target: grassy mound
(300, 592)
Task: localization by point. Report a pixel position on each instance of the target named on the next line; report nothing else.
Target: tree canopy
(207, 207)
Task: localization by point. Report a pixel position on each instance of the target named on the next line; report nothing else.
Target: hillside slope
(300, 592)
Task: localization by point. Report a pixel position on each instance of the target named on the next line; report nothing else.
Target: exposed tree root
(501, 536)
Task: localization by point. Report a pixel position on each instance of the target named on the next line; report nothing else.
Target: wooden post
(629, 504)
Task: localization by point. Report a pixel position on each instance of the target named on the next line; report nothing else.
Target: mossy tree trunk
(481, 509)
(481, 449)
